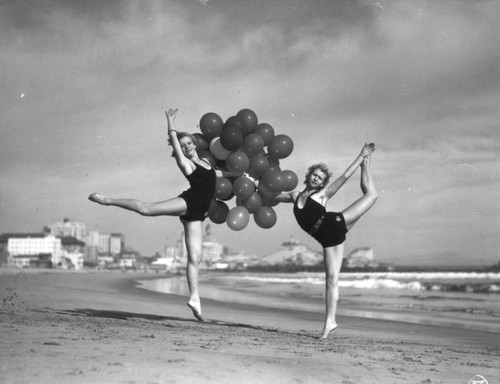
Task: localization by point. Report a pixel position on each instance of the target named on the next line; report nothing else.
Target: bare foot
(99, 199)
(327, 329)
(367, 150)
(195, 306)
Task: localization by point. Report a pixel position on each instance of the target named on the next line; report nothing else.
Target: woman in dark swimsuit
(191, 206)
(330, 228)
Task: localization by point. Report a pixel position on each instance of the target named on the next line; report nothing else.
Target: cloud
(419, 79)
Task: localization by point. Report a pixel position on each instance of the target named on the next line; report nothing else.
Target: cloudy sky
(85, 85)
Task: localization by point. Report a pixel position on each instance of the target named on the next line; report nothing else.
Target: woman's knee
(144, 209)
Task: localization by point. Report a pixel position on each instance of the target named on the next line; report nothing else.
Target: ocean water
(461, 300)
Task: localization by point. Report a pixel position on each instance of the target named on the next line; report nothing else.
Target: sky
(85, 85)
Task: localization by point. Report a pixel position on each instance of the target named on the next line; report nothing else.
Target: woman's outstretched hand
(367, 149)
(170, 113)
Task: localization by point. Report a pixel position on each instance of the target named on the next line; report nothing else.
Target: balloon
(252, 144)
(265, 131)
(243, 187)
(265, 217)
(231, 138)
(231, 195)
(211, 125)
(223, 188)
(249, 119)
(200, 142)
(219, 152)
(235, 121)
(267, 196)
(281, 146)
(274, 167)
(218, 211)
(237, 218)
(258, 165)
(291, 180)
(206, 155)
(274, 181)
(253, 203)
(273, 160)
(237, 162)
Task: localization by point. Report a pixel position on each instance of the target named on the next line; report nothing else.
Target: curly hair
(181, 135)
(323, 168)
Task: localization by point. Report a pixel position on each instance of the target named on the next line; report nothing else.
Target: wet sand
(100, 327)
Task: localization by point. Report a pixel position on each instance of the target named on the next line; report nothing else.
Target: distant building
(29, 249)
(73, 253)
(293, 252)
(211, 249)
(103, 244)
(362, 257)
(116, 244)
(68, 228)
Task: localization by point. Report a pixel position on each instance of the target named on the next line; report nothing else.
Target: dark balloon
(258, 165)
(211, 125)
(243, 187)
(265, 217)
(249, 118)
(237, 218)
(218, 211)
(235, 121)
(231, 138)
(223, 188)
(281, 146)
(291, 180)
(237, 162)
(252, 144)
(265, 131)
(200, 141)
(253, 203)
(274, 181)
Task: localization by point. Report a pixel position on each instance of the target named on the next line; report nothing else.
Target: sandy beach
(100, 327)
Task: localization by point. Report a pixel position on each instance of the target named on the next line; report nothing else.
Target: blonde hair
(323, 168)
(181, 135)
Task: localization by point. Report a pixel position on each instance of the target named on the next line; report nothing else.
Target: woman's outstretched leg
(365, 202)
(193, 233)
(172, 207)
(333, 262)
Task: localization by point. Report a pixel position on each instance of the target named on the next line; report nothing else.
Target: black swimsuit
(200, 193)
(332, 230)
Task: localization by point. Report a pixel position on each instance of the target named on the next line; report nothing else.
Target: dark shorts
(332, 231)
(197, 207)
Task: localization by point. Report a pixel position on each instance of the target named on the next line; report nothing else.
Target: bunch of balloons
(249, 155)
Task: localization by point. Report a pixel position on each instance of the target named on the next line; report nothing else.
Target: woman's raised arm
(181, 160)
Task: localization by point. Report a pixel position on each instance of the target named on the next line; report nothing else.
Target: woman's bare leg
(365, 202)
(193, 232)
(333, 262)
(172, 207)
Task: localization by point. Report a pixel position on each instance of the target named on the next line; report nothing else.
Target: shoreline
(284, 296)
(73, 327)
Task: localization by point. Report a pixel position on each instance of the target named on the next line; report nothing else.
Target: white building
(22, 249)
(92, 238)
(104, 243)
(116, 243)
(68, 228)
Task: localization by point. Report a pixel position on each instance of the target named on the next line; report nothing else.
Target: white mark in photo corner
(477, 379)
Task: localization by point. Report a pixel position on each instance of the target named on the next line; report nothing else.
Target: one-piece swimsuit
(200, 193)
(332, 230)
